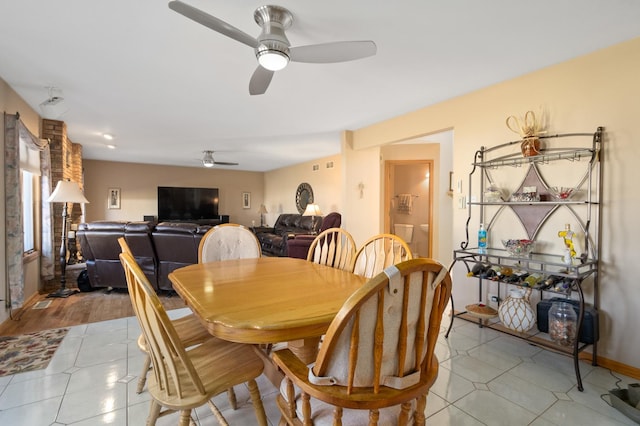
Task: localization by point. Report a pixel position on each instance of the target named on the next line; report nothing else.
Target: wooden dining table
(266, 300)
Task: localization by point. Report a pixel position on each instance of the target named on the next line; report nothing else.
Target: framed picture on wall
(246, 200)
(113, 200)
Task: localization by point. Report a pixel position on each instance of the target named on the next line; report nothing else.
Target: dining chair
(379, 252)
(377, 362)
(333, 247)
(228, 241)
(188, 327)
(184, 379)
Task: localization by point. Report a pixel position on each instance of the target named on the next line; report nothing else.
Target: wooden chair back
(333, 247)
(379, 351)
(124, 246)
(173, 370)
(228, 241)
(380, 252)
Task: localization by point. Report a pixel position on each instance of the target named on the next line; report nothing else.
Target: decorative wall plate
(304, 196)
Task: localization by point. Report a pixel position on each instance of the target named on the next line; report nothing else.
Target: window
(28, 214)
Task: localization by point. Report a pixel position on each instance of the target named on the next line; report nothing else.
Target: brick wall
(66, 163)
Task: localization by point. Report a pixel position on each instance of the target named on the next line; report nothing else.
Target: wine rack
(575, 154)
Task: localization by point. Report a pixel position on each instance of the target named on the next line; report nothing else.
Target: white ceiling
(169, 88)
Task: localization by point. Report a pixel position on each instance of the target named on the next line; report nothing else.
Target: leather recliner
(273, 241)
(176, 246)
(299, 245)
(158, 249)
(99, 245)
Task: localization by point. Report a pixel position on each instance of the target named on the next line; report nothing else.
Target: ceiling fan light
(207, 160)
(272, 60)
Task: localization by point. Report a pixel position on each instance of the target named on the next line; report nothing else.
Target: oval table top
(264, 300)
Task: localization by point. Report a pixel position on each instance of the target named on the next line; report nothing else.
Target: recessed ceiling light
(107, 136)
(111, 146)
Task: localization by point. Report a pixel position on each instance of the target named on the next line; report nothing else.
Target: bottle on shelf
(550, 281)
(532, 279)
(482, 239)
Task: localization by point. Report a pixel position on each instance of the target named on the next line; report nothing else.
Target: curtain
(14, 132)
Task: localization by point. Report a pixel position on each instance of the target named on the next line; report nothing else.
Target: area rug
(29, 352)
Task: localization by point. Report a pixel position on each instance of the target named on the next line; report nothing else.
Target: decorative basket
(481, 310)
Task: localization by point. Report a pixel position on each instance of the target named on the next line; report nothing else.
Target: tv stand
(224, 218)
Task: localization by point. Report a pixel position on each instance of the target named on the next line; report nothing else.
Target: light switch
(462, 202)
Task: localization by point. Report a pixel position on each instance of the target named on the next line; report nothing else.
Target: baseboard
(615, 366)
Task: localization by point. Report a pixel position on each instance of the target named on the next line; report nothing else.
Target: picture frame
(113, 198)
(246, 200)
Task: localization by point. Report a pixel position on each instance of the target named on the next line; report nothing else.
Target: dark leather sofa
(158, 248)
(299, 245)
(274, 240)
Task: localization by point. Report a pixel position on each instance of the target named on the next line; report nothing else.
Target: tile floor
(486, 378)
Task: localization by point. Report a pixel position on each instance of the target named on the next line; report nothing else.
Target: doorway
(409, 203)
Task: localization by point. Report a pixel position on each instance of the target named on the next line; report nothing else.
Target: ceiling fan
(272, 48)
(208, 161)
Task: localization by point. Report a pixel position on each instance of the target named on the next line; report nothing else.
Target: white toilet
(404, 231)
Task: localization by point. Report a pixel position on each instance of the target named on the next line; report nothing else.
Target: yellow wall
(599, 89)
(281, 184)
(138, 189)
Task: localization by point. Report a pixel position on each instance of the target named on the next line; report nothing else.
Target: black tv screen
(187, 204)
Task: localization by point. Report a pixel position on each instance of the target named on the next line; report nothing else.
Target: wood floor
(80, 308)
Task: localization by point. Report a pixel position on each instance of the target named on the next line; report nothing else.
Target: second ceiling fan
(272, 48)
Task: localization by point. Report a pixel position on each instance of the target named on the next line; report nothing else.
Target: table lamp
(66, 192)
(262, 211)
(312, 210)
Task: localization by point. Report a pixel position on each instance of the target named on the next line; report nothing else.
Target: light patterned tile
(105, 375)
(494, 410)
(523, 393)
(41, 412)
(568, 413)
(451, 386)
(543, 377)
(30, 391)
(474, 369)
(452, 415)
(92, 402)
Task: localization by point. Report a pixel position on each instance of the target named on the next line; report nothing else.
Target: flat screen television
(187, 204)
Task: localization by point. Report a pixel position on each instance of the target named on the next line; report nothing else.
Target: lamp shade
(263, 209)
(312, 210)
(67, 192)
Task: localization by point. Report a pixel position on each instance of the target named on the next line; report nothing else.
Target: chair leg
(143, 375)
(232, 398)
(403, 416)
(337, 416)
(185, 418)
(154, 413)
(374, 416)
(254, 391)
(306, 409)
(216, 412)
(421, 406)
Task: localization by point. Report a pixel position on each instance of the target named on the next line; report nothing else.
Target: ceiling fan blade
(339, 51)
(213, 23)
(224, 163)
(260, 81)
